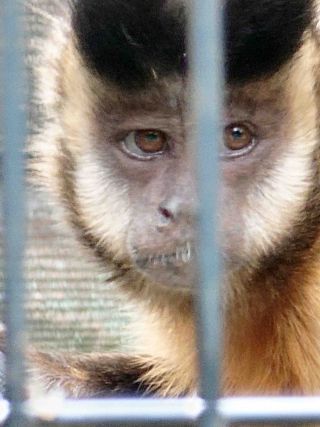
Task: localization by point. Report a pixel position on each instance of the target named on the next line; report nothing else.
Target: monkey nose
(173, 211)
(169, 211)
(166, 217)
(167, 214)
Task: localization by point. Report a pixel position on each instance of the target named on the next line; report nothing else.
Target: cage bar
(14, 132)
(270, 410)
(168, 412)
(207, 72)
(206, 42)
(118, 412)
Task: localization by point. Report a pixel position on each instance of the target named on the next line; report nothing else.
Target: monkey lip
(182, 255)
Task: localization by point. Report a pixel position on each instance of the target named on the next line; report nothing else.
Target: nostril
(166, 217)
(166, 213)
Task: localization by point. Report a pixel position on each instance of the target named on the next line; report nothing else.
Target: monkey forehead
(133, 42)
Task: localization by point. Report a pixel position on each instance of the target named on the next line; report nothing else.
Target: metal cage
(206, 410)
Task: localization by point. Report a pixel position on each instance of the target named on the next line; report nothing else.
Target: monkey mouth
(182, 255)
(173, 267)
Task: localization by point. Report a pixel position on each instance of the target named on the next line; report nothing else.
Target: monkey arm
(91, 374)
(85, 375)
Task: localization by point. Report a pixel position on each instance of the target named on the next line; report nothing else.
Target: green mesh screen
(69, 304)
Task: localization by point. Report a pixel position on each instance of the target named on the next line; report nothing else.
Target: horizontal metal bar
(270, 410)
(116, 412)
(53, 411)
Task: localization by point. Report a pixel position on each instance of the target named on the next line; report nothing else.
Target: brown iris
(238, 136)
(150, 141)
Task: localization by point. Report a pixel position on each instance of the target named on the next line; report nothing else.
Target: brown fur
(91, 375)
(271, 294)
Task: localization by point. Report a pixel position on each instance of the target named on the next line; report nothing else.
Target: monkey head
(118, 143)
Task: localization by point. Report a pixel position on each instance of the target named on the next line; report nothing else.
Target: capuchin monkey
(115, 149)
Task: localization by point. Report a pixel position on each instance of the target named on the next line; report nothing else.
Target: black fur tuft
(261, 35)
(129, 41)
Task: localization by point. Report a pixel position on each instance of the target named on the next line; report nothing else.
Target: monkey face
(134, 186)
(140, 145)
(123, 148)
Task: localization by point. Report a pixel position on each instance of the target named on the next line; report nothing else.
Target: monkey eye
(145, 144)
(238, 139)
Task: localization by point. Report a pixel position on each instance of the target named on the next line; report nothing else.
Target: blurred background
(69, 304)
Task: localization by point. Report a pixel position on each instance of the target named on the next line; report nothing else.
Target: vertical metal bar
(14, 131)
(207, 68)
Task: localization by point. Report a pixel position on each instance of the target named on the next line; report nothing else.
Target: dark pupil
(237, 133)
(152, 136)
